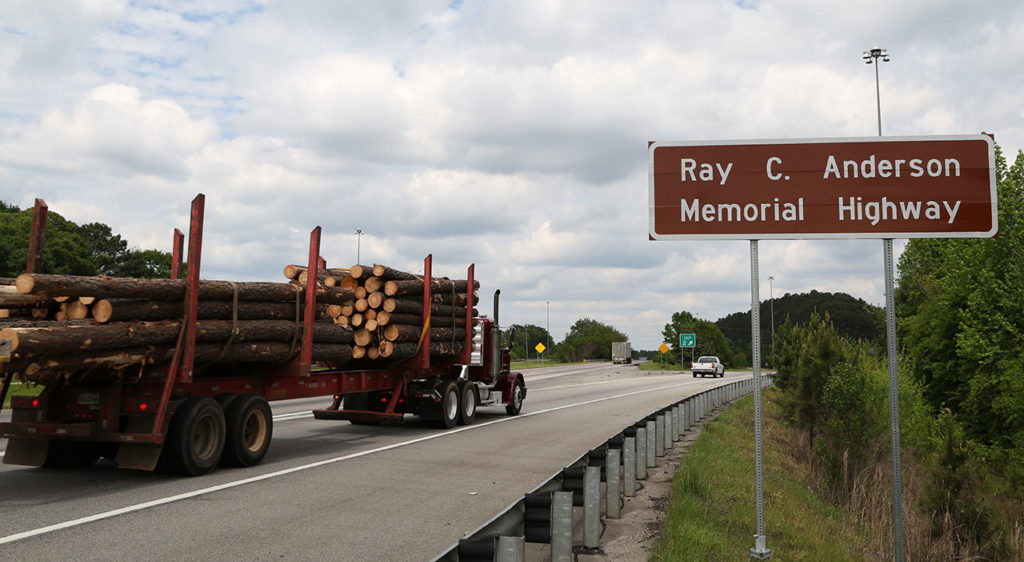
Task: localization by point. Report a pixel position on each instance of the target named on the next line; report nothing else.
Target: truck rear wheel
(249, 429)
(449, 405)
(467, 403)
(443, 414)
(195, 439)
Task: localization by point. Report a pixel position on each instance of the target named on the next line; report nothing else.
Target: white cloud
(113, 130)
(507, 134)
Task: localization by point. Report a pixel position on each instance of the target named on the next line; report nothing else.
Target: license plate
(89, 399)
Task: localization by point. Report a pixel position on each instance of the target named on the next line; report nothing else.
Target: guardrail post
(659, 435)
(675, 422)
(511, 549)
(641, 453)
(629, 466)
(612, 484)
(561, 526)
(667, 433)
(592, 507)
(651, 444)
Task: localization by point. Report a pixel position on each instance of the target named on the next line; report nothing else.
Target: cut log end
(11, 335)
(25, 283)
(102, 311)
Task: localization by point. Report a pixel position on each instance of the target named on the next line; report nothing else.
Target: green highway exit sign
(687, 340)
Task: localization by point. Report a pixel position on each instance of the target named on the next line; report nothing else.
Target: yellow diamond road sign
(663, 348)
(540, 348)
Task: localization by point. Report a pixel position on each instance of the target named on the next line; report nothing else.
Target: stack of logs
(363, 313)
(386, 314)
(138, 322)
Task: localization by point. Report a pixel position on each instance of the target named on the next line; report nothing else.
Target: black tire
(516, 404)
(71, 454)
(443, 414)
(449, 405)
(250, 426)
(195, 439)
(467, 403)
(694, 375)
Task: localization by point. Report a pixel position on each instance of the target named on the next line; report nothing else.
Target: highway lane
(331, 488)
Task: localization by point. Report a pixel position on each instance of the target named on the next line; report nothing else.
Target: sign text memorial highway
(874, 187)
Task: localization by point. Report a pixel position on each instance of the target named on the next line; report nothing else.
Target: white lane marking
(293, 415)
(244, 481)
(535, 390)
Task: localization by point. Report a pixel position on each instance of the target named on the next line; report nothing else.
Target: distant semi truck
(621, 352)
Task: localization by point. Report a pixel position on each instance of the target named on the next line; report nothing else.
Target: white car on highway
(707, 365)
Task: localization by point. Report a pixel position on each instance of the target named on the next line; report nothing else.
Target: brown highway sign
(871, 187)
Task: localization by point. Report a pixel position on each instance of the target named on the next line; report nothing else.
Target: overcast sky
(509, 134)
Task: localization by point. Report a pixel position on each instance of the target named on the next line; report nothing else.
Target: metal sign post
(760, 550)
(894, 403)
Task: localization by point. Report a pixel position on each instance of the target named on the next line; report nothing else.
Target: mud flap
(27, 452)
(140, 456)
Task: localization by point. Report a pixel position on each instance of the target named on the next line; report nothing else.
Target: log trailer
(188, 420)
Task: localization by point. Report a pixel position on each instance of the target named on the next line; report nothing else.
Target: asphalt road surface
(329, 489)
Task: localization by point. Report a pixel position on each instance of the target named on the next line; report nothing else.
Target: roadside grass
(712, 515)
(19, 389)
(657, 365)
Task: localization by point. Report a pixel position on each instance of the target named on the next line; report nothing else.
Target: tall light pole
(547, 325)
(877, 56)
(359, 239)
(771, 299)
(870, 57)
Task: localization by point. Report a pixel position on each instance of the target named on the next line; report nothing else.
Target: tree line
(729, 337)
(587, 339)
(72, 249)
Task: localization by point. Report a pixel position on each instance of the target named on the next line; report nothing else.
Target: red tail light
(24, 402)
(134, 405)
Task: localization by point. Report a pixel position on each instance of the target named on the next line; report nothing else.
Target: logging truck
(188, 406)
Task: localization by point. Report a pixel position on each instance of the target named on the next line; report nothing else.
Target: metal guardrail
(545, 514)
